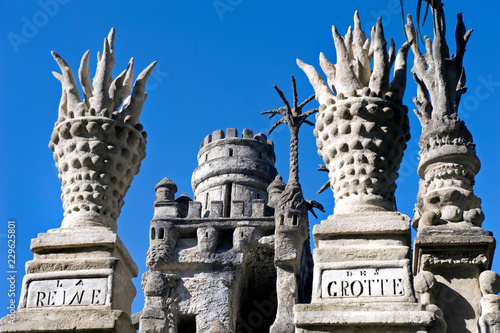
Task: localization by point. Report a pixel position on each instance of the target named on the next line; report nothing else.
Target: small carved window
(161, 233)
(260, 155)
(294, 219)
(153, 233)
(282, 220)
(258, 195)
(230, 152)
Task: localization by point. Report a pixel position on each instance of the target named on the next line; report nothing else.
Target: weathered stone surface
(456, 257)
(67, 292)
(217, 247)
(489, 282)
(362, 127)
(97, 149)
(80, 278)
(448, 161)
(64, 319)
(233, 169)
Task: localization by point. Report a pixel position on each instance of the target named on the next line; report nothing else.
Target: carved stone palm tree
(292, 252)
(294, 118)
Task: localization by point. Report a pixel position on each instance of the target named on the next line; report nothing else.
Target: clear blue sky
(217, 63)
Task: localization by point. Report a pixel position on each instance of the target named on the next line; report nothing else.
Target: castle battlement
(233, 169)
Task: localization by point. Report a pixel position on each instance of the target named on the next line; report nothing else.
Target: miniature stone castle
(241, 246)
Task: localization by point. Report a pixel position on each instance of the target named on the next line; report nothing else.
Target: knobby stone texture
(362, 279)
(237, 257)
(362, 127)
(98, 146)
(80, 278)
(450, 242)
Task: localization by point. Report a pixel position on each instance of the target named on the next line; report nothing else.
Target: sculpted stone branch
(448, 161)
(439, 77)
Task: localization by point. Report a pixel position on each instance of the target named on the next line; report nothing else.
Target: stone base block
(456, 254)
(372, 317)
(449, 246)
(69, 320)
(79, 280)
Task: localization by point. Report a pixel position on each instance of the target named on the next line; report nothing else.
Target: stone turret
(233, 169)
(216, 251)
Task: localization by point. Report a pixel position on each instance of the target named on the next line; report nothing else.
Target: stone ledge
(369, 223)
(357, 253)
(380, 314)
(82, 239)
(63, 320)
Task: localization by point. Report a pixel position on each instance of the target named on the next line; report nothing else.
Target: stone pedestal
(79, 279)
(456, 256)
(362, 279)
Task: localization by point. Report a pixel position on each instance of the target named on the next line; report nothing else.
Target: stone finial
(165, 191)
(362, 127)
(97, 147)
(274, 190)
(448, 161)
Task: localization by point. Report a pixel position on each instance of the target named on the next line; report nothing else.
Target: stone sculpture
(216, 250)
(362, 127)
(448, 161)
(426, 290)
(237, 257)
(450, 242)
(489, 322)
(292, 251)
(363, 248)
(80, 278)
(98, 146)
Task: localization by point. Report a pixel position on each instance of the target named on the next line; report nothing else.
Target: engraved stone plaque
(362, 282)
(67, 292)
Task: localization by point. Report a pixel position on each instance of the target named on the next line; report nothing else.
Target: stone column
(80, 277)
(362, 279)
(450, 242)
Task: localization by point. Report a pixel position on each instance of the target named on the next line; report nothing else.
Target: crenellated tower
(233, 169)
(217, 251)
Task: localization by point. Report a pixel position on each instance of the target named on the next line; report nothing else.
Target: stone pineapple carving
(448, 161)
(98, 146)
(362, 127)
